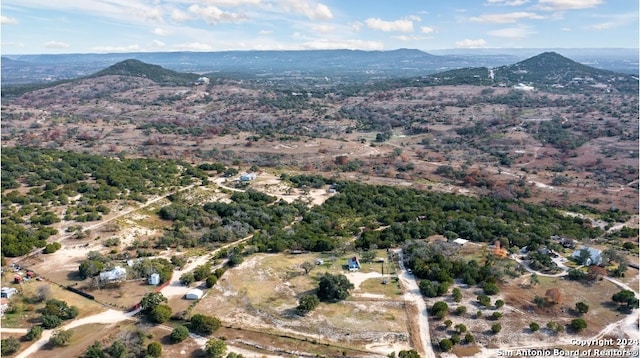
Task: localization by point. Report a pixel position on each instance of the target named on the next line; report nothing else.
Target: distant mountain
(548, 71)
(158, 74)
(337, 65)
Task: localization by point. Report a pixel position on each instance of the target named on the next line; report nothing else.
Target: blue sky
(99, 26)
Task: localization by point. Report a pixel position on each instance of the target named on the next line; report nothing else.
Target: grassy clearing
(391, 290)
(26, 314)
(262, 294)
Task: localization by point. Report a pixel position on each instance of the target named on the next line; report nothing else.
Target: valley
(255, 191)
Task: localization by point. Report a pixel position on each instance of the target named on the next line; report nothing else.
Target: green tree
(484, 300)
(578, 324)
(499, 303)
(201, 272)
(460, 328)
(179, 334)
(154, 349)
(534, 327)
(626, 297)
(456, 294)
(151, 300)
(448, 323)
(469, 338)
(204, 325)
(215, 348)
(440, 309)
(211, 281)
(334, 287)
(9, 346)
(445, 345)
(94, 351)
(34, 333)
(490, 288)
(496, 327)
(60, 338)
(59, 309)
(582, 307)
(51, 321)
(160, 313)
(408, 354)
(90, 268)
(117, 349)
(308, 303)
(461, 310)
(187, 278)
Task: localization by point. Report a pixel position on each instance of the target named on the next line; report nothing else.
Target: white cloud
(6, 20)
(414, 18)
(613, 21)
(512, 32)
(158, 43)
(555, 5)
(401, 25)
(325, 44)
(56, 44)
(468, 43)
(179, 16)
(507, 2)
(161, 32)
(265, 32)
(323, 28)
(213, 15)
(107, 49)
(506, 18)
(357, 27)
(312, 11)
(233, 3)
(427, 29)
(195, 46)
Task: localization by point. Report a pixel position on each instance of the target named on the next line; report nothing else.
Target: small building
(595, 256)
(17, 279)
(194, 294)
(202, 81)
(247, 177)
(7, 292)
(460, 241)
(115, 274)
(354, 264)
(319, 261)
(154, 279)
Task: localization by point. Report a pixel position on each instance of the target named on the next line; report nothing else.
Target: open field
(262, 294)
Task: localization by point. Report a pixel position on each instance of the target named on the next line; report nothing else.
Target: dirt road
(106, 317)
(413, 296)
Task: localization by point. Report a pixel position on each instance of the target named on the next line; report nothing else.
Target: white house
(115, 274)
(7, 292)
(194, 294)
(595, 256)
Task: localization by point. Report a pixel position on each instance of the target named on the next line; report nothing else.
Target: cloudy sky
(83, 26)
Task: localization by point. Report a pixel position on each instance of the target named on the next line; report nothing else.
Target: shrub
(154, 349)
(9, 346)
(34, 333)
(204, 325)
(179, 334)
(308, 303)
(496, 327)
(445, 345)
(211, 281)
(160, 313)
(534, 327)
(578, 324)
